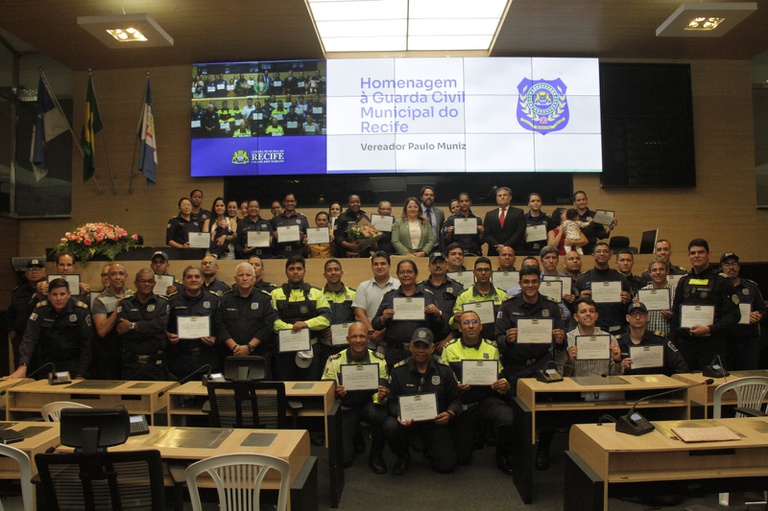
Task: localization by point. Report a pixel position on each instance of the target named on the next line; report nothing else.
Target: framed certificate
(339, 334)
(646, 356)
(288, 340)
(193, 327)
(382, 222)
(463, 225)
(506, 279)
(199, 240)
(196, 123)
(288, 234)
(552, 289)
(408, 308)
(567, 282)
(258, 239)
(745, 309)
(479, 372)
(536, 233)
(360, 376)
(318, 236)
(692, 315)
(593, 347)
(483, 309)
(418, 407)
(534, 331)
(606, 292)
(465, 278)
(655, 299)
(604, 216)
(73, 279)
(162, 282)
(672, 279)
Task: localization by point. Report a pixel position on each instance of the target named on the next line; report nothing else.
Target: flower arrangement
(97, 238)
(364, 234)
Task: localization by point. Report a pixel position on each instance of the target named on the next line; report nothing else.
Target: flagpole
(104, 142)
(61, 110)
(136, 140)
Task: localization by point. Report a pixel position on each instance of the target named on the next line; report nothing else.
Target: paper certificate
(382, 223)
(593, 347)
(464, 225)
(646, 356)
(745, 309)
(408, 309)
(72, 279)
(552, 289)
(288, 234)
(193, 327)
(567, 282)
(162, 283)
(672, 279)
(465, 278)
(536, 233)
(360, 376)
(479, 372)
(339, 334)
(506, 279)
(288, 340)
(196, 123)
(199, 240)
(606, 292)
(483, 309)
(419, 407)
(692, 315)
(603, 216)
(534, 331)
(258, 238)
(318, 236)
(655, 299)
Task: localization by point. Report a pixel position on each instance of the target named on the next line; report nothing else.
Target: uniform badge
(240, 157)
(486, 356)
(73, 318)
(303, 309)
(543, 107)
(735, 299)
(545, 313)
(207, 304)
(745, 291)
(449, 289)
(436, 379)
(298, 221)
(88, 320)
(151, 307)
(254, 306)
(33, 316)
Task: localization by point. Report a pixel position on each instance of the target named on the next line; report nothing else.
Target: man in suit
(504, 225)
(436, 216)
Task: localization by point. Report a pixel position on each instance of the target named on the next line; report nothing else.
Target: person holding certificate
(321, 250)
(445, 291)
(361, 386)
(484, 298)
(608, 288)
(179, 227)
(289, 229)
(475, 361)
(644, 351)
(536, 226)
(595, 231)
(663, 250)
(549, 262)
(160, 266)
(340, 297)
(657, 296)
(259, 241)
(704, 311)
(423, 399)
(302, 313)
(191, 339)
(464, 228)
(596, 346)
(65, 265)
(107, 360)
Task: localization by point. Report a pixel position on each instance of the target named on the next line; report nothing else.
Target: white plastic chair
(25, 469)
(51, 412)
(238, 478)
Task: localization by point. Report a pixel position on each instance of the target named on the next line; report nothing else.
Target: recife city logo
(543, 107)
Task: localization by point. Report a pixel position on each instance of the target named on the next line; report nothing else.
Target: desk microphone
(715, 369)
(187, 378)
(551, 374)
(635, 424)
(29, 376)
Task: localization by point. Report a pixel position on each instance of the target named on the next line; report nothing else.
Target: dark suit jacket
(513, 233)
(440, 217)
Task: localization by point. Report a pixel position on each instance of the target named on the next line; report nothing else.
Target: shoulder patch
(378, 355)
(492, 343)
(81, 304)
(42, 303)
(672, 346)
(552, 299)
(452, 341)
(401, 363)
(266, 292)
(441, 362)
(427, 290)
(335, 356)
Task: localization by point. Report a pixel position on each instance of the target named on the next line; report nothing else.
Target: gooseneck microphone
(29, 376)
(186, 378)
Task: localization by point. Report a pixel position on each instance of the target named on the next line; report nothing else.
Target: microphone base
(711, 372)
(59, 378)
(548, 376)
(634, 424)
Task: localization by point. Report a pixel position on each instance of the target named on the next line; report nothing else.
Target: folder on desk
(711, 434)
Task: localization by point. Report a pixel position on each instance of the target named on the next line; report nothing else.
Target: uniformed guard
(179, 227)
(253, 223)
(22, 304)
(160, 265)
(59, 331)
(445, 291)
(367, 405)
(612, 315)
(292, 219)
(482, 291)
(210, 267)
(422, 375)
(141, 323)
(663, 250)
(340, 298)
(258, 268)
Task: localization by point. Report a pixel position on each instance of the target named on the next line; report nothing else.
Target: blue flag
(49, 123)
(148, 142)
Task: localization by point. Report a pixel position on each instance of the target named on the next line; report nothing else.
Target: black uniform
(534, 247)
(142, 347)
(178, 229)
(241, 318)
(289, 249)
(242, 239)
(612, 317)
(593, 232)
(188, 355)
(635, 283)
(65, 338)
(405, 380)
(445, 298)
(673, 360)
(745, 338)
(344, 220)
(22, 305)
(216, 287)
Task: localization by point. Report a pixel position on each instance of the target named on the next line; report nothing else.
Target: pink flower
(87, 242)
(135, 237)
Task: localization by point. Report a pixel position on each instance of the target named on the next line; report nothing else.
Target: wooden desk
(48, 436)
(602, 462)
(702, 397)
(138, 397)
(572, 401)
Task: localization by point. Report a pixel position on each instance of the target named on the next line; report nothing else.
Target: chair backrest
(103, 481)
(245, 368)
(247, 404)
(238, 479)
(618, 242)
(750, 393)
(25, 469)
(51, 412)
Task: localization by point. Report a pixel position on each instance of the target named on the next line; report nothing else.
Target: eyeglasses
(145, 281)
(470, 322)
(729, 265)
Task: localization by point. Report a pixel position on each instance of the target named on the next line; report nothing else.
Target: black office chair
(248, 404)
(245, 368)
(617, 243)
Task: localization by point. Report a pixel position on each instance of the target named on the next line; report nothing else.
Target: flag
(91, 126)
(49, 123)
(148, 143)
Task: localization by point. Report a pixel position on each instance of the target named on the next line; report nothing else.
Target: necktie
(502, 216)
(428, 211)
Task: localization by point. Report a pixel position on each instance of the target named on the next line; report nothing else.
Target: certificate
(162, 282)
(465, 278)
(672, 279)
(506, 279)
(277, 83)
(419, 407)
(483, 309)
(258, 116)
(382, 222)
(318, 236)
(199, 239)
(646, 356)
(552, 289)
(534, 331)
(408, 308)
(593, 347)
(73, 279)
(603, 216)
(230, 87)
(292, 125)
(317, 110)
(692, 315)
(479, 372)
(224, 125)
(536, 233)
(360, 376)
(339, 334)
(288, 234)
(288, 340)
(464, 225)
(745, 309)
(258, 238)
(606, 292)
(567, 282)
(193, 327)
(196, 123)
(655, 299)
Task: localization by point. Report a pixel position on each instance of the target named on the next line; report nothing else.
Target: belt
(155, 358)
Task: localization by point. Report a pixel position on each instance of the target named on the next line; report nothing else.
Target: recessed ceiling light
(712, 19)
(117, 31)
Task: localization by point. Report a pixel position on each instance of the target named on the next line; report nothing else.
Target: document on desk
(479, 372)
(505, 279)
(593, 347)
(711, 434)
(646, 356)
(483, 309)
(360, 376)
(408, 308)
(288, 340)
(419, 407)
(193, 327)
(655, 299)
(534, 331)
(288, 234)
(606, 292)
(692, 315)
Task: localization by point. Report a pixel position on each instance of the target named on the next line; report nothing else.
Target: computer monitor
(92, 429)
(648, 241)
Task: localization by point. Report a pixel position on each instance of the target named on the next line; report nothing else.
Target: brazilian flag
(91, 126)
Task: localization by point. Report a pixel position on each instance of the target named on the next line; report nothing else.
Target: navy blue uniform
(188, 355)
(673, 360)
(141, 349)
(242, 318)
